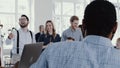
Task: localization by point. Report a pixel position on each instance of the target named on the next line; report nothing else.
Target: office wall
(43, 12)
(44, 9)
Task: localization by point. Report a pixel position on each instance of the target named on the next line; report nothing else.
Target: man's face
(23, 22)
(74, 24)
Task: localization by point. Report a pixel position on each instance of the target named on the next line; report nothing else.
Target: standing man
(20, 37)
(73, 31)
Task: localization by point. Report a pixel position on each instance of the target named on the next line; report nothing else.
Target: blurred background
(39, 11)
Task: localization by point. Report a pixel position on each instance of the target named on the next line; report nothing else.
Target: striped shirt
(92, 52)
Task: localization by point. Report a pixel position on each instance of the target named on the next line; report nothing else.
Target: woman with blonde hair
(51, 35)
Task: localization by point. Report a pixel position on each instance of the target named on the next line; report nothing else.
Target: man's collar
(21, 29)
(94, 39)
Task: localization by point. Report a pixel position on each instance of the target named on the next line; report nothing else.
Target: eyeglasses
(22, 19)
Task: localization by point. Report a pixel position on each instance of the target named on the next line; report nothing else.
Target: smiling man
(73, 31)
(20, 37)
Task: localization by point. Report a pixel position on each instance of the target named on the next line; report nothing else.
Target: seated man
(95, 51)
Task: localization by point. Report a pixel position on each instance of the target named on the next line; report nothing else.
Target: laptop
(31, 53)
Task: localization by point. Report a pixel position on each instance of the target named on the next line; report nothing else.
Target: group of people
(92, 47)
(48, 34)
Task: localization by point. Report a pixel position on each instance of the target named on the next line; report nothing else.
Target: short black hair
(100, 18)
(73, 18)
(25, 17)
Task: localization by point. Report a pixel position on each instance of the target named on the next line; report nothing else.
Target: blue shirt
(92, 52)
(75, 34)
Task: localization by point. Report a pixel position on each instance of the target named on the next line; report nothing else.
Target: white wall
(43, 12)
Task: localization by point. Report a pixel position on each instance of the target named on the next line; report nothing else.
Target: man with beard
(20, 38)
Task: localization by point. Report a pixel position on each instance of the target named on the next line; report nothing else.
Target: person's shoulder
(61, 48)
(37, 33)
(31, 32)
(113, 56)
(64, 45)
(115, 50)
(66, 31)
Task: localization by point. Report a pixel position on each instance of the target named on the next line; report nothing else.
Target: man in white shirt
(21, 37)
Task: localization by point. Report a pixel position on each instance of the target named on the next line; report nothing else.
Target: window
(23, 7)
(64, 10)
(8, 21)
(7, 6)
(80, 11)
(58, 8)
(11, 10)
(117, 5)
(68, 8)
